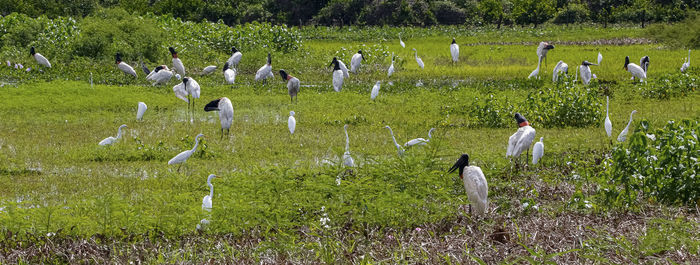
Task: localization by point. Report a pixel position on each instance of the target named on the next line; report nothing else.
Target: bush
(447, 12)
(573, 13)
(571, 106)
(532, 11)
(492, 112)
(685, 34)
(671, 85)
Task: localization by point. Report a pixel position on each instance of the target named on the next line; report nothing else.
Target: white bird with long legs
(686, 65)
(177, 63)
(542, 50)
(110, 140)
(265, 71)
(474, 184)
(399, 149)
(391, 67)
(225, 108)
(375, 90)
(342, 66)
(600, 58)
(291, 122)
(559, 69)
(182, 157)
(127, 69)
(537, 151)
(403, 45)
(623, 134)
(293, 85)
(39, 58)
(347, 158)
(160, 75)
(586, 72)
(635, 70)
(521, 140)
(229, 74)
(356, 62)
(337, 76)
(140, 111)
(418, 59)
(235, 58)
(207, 200)
(420, 141)
(193, 90)
(536, 72)
(454, 51)
(209, 69)
(608, 123)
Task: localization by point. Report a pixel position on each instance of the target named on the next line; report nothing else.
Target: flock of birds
(474, 180)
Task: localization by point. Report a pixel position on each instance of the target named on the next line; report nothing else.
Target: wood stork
(418, 59)
(225, 108)
(356, 61)
(177, 63)
(229, 74)
(403, 45)
(536, 72)
(537, 151)
(127, 69)
(542, 50)
(235, 58)
(337, 76)
(184, 155)
(623, 134)
(39, 58)
(375, 91)
(644, 63)
(347, 158)
(686, 65)
(209, 69)
(454, 51)
(140, 111)
(191, 89)
(293, 85)
(399, 149)
(265, 71)
(110, 140)
(420, 141)
(160, 75)
(391, 67)
(521, 140)
(608, 123)
(560, 68)
(586, 72)
(474, 184)
(206, 201)
(635, 70)
(291, 122)
(600, 58)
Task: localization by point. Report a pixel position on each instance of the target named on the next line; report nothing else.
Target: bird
(209, 69)
(181, 93)
(347, 159)
(536, 72)
(586, 72)
(474, 184)
(623, 134)
(403, 45)
(391, 67)
(686, 65)
(160, 75)
(225, 109)
(291, 122)
(542, 50)
(560, 68)
(420, 141)
(229, 74)
(184, 155)
(418, 59)
(537, 151)
(375, 91)
(264, 72)
(608, 123)
(600, 58)
(293, 84)
(399, 149)
(39, 58)
(454, 50)
(177, 63)
(140, 111)
(127, 69)
(337, 76)
(356, 61)
(110, 140)
(644, 63)
(635, 70)
(235, 58)
(189, 88)
(522, 139)
(145, 69)
(206, 201)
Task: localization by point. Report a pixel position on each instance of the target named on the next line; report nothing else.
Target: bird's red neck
(461, 176)
(523, 124)
(289, 77)
(174, 55)
(118, 62)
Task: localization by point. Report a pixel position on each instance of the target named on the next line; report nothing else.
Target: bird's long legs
(222, 134)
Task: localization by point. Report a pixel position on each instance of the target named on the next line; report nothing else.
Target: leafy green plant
(571, 106)
(671, 85)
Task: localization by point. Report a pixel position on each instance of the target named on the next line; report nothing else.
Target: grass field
(66, 199)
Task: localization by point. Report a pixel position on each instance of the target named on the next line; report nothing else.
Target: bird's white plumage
(420, 141)
(418, 59)
(560, 68)
(541, 51)
(399, 149)
(355, 63)
(207, 200)
(477, 189)
(454, 51)
(537, 151)
(403, 45)
(178, 66)
(608, 123)
(225, 113)
(338, 80)
(235, 59)
(686, 64)
(141, 110)
(344, 68)
(347, 158)
(42, 60)
(293, 86)
(264, 72)
(110, 140)
(291, 122)
(623, 134)
(536, 72)
(181, 92)
(586, 74)
(230, 76)
(600, 58)
(391, 68)
(193, 88)
(375, 90)
(209, 69)
(161, 77)
(127, 69)
(637, 71)
(184, 155)
(520, 141)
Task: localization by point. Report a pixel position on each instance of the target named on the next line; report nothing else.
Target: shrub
(573, 13)
(671, 85)
(685, 34)
(571, 106)
(491, 112)
(447, 12)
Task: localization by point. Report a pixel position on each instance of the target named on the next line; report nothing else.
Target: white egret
(209, 69)
(542, 50)
(291, 122)
(140, 111)
(623, 134)
(635, 70)
(160, 75)
(235, 58)
(184, 155)
(474, 184)
(177, 63)
(586, 72)
(229, 74)
(391, 67)
(536, 71)
(403, 45)
(347, 159)
(356, 61)
(264, 72)
(608, 123)
(420, 141)
(110, 140)
(225, 108)
(454, 51)
(418, 59)
(206, 201)
(686, 65)
(293, 85)
(521, 140)
(560, 68)
(127, 69)
(39, 58)
(399, 149)
(375, 91)
(600, 58)
(537, 151)
(337, 76)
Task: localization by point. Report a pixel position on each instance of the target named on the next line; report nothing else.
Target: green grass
(268, 201)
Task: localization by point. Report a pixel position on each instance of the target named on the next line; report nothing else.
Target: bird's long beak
(212, 106)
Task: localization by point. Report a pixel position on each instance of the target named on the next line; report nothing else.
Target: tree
(532, 11)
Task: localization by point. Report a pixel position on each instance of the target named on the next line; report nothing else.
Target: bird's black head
(361, 54)
(336, 66)
(462, 162)
(586, 63)
(549, 47)
(158, 68)
(213, 105)
(521, 120)
(283, 74)
(627, 61)
(31, 51)
(454, 41)
(226, 66)
(118, 57)
(185, 80)
(333, 61)
(359, 51)
(172, 51)
(233, 50)
(645, 63)
(269, 58)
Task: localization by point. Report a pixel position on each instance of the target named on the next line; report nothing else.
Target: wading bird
(536, 72)
(225, 109)
(209, 69)
(635, 70)
(189, 88)
(347, 159)
(293, 85)
(420, 141)
(537, 151)
(375, 91)
(110, 140)
(560, 68)
(608, 123)
(229, 74)
(160, 75)
(337, 76)
(686, 65)
(206, 201)
(644, 63)
(346, 73)
(521, 140)
(235, 58)
(127, 69)
(391, 67)
(403, 45)
(177, 63)
(39, 58)
(140, 111)
(399, 149)
(586, 72)
(182, 157)
(265, 71)
(454, 51)
(542, 50)
(623, 134)
(600, 58)
(418, 59)
(474, 184)
(356, 61)
(291, 122)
